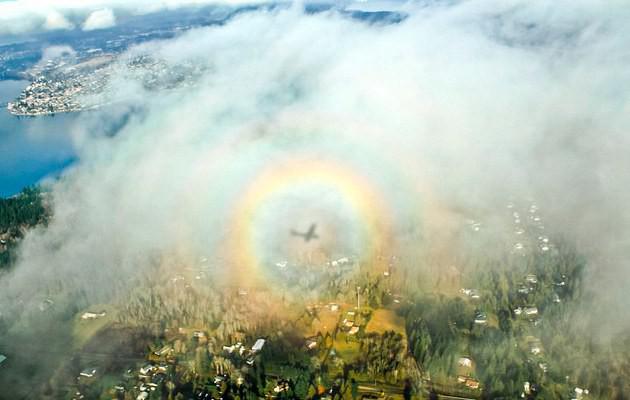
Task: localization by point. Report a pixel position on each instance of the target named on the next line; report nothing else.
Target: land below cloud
(318, 202)
(343, 328)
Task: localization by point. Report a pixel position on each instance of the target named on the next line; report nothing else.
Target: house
(562, 282)
(353, 330)
(343, 260)
(481, 318)
(238, 346)
(311, 342)
(199, 334)
(88, 372)
(3, 358)
(163, 351)
(531, 278)
(92, 315)
(145, 387)
(527, 389)
(465, 362)
(468, 381)
(530, 311)
(258, 345)
(579, 394)
(147, 369)
(472, 383)
(143, 396)
(282, 386)
(472, 293)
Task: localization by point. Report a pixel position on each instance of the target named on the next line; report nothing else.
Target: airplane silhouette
(308, 235)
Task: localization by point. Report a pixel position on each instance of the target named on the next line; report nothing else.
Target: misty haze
(314, 200)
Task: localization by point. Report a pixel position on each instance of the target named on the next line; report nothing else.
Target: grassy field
(346, 346)
(326, 322)
(383, 320)
(84, 330)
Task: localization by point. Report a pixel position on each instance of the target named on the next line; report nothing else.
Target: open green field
(326, 322)
(83, 330)
(383, 320)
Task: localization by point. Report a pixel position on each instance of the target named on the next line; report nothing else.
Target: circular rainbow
(379, 180)
(354, 188)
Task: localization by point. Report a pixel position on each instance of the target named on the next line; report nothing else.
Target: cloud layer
(99, 19)
(25, 16)
(454, 111)
(55, 20)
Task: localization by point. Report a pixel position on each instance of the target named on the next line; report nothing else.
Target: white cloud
(459, 106)
(55, 20)
(22, 16)
(100, 19)
(52, 52)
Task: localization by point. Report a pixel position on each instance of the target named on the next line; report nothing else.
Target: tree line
(17, 214)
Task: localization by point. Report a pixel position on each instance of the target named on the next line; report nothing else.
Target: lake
(31, 148)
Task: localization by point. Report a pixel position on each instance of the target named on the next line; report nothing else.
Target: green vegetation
(18, 214)
(535, 349)
(25, 209)
(504, 325)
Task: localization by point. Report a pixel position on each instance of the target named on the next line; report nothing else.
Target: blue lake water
(31, 148)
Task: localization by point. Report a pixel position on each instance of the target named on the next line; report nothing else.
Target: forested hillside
(516, 333)
(17, 215)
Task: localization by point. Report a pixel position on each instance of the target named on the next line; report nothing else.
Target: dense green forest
(17, 214)
(532, 339)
